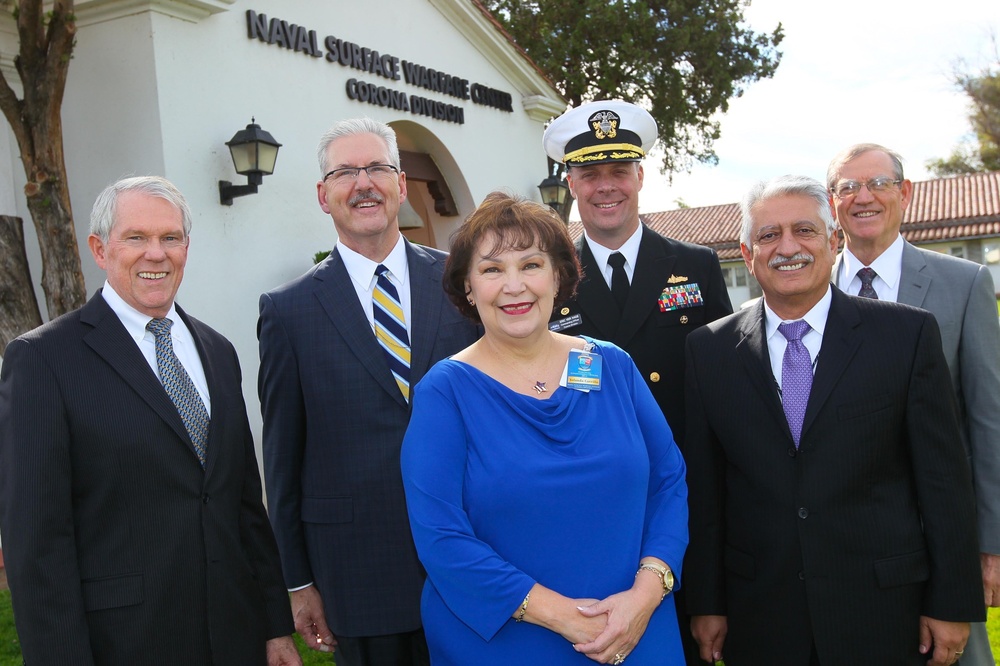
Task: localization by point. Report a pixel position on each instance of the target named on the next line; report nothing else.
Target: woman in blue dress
(545, 492)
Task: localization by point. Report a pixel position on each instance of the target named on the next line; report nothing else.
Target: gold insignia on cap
(654, 377)
(684, 319)
(605, 124)
(674, 279)
(564, 311)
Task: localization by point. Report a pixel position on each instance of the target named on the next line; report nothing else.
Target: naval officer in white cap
(639, 290)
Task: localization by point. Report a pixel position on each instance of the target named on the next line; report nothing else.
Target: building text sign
(348, 54)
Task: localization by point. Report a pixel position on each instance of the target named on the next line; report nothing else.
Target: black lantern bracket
(555, 191)
(254, 152)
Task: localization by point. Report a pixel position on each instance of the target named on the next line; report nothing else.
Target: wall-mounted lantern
(555, 192)
(254, 153)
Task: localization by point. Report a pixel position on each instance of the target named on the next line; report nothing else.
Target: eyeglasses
(350, 174)
(849, 188)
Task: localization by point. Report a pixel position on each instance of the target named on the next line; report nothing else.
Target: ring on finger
(619, 658)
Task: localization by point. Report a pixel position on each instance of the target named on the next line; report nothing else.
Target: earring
(472, 303)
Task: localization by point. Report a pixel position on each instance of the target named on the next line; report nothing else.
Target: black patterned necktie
(867, 290)
(619, 279)
(179, 387)
(390, 329)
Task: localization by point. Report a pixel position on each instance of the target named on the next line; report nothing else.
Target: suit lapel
(339, 300)
(651, 265)
(841, 339)
(752, 350)
(913, 282)
(111, 342)
(594, 296)
(425, 309)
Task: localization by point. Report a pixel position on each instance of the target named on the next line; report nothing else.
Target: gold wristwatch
(665, 574)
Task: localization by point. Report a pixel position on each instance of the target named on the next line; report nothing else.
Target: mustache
(371, 195)
(795, 258)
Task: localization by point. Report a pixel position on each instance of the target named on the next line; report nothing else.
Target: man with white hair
(832, 517)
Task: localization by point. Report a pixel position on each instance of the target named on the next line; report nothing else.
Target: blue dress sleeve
(477, 584)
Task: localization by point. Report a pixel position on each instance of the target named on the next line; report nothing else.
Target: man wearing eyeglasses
(870, 195)
(340, 348)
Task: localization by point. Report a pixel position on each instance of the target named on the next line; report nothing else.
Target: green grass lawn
(10, 651)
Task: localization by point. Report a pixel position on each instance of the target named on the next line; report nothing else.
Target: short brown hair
(516, 224)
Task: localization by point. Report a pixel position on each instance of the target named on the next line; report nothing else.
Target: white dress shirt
(362, 272)
(812, 340)
(888, 266)
(184, 347)
(629, 250)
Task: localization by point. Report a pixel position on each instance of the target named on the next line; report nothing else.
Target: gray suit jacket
(961, 296)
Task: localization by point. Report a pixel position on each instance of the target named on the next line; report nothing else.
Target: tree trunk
(45, 48)
(18, 306)
(62, 273)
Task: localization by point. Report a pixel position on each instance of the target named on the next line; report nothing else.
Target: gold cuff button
(654, 376)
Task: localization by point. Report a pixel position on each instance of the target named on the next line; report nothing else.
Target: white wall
(158, 88)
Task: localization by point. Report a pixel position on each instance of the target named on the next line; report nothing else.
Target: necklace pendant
(540, 387)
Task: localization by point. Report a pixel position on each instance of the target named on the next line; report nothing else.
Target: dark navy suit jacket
(334, 421)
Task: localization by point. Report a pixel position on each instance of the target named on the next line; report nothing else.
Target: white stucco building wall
(159, 86)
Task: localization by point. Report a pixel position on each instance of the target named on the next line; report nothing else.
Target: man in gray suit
(340, 347)
(870, 195)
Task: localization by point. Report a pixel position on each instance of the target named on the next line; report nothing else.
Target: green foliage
(313, 657)
(10, 648)
(980, 152)
(683, 60)
(320, 256)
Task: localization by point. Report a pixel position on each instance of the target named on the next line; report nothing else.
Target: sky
(851, 71)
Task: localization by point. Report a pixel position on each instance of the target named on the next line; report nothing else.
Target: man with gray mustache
(831, 510)
(339, 348)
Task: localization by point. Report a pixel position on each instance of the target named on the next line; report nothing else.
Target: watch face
(668, 580)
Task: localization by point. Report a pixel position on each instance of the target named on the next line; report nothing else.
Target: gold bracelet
(524, 608)
(661, 573)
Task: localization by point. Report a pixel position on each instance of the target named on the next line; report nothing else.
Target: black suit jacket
(334, 421)
(846, 541)
(119, 548)
(654, 338)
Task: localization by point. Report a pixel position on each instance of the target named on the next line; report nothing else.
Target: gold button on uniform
(564, 311)
(684, 319)
(654, 377)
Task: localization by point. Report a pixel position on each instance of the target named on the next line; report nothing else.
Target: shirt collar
(362, 269)
(816, 317)
(135, 321)
(888, 265)
(629, 249)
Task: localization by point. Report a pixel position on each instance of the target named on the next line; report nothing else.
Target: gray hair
(102, 216)
(782, 186)
(851, 152)
(353, 127)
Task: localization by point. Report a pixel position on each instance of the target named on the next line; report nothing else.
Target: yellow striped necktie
(390, 329)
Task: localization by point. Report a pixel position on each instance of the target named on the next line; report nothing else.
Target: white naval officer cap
(599, 132)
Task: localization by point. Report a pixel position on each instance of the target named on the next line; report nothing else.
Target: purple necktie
(796, 376)
(867, 290)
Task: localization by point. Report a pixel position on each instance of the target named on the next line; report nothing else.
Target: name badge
(583, 371)
(566, 322)
(680, 296)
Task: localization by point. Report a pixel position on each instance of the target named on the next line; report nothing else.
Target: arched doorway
(438, 197)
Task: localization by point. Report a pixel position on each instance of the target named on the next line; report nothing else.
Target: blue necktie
(796, 376)
(390, 329)
(179, 386)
